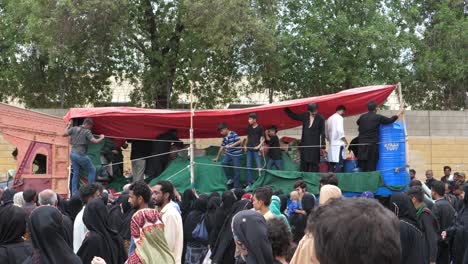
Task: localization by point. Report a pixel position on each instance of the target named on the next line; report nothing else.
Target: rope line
(177, 173)
(201, 144)
(260, 169)
(144, 158)
(139, 139)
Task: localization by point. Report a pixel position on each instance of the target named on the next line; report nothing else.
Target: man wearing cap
(369, 123)
(232, 154)
(313, 136)
(79, 137)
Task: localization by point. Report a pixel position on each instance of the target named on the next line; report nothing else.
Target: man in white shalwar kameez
(337, 140)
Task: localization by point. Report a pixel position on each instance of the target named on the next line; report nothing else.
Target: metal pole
(192, 143)
(402, 105)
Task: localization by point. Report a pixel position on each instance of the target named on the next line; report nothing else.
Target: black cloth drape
(156, 165)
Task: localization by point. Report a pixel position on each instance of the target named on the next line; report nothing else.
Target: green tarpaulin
(209, 175)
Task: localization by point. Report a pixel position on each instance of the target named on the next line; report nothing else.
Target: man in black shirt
(254, 142)
(274, 153)
(369, 123)
(444, 213)
(427, 222)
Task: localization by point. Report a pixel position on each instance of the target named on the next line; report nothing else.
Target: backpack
(200, 232)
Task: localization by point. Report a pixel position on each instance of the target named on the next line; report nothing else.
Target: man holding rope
(233, 152)
(79, 137)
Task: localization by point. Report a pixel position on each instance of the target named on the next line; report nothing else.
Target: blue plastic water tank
(392, 157)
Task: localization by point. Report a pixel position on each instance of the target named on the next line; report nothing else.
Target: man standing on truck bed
(79, 137)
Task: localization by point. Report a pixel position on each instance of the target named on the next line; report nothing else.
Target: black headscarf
(250, 229)
(465, 198)
(74, 206)
(284, 202)
(187, 202)
(238, 192)
(402, 206)
(12, 224)
(101, 240)
(8, 196)
(227, 201)
(48, 238)
(214, 194)
(62, 205)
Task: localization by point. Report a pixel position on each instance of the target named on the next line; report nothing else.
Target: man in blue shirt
(232, 154)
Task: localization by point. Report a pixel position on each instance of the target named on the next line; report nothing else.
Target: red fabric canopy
(132, 122)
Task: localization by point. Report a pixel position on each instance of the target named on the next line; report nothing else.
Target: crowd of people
(154, 224)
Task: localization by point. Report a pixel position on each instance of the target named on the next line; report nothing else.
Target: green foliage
(57, 53)
(64, 52)
(438, 78)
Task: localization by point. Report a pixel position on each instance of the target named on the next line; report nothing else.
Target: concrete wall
(436, 139)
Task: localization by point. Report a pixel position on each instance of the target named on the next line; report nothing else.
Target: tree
(65, 52)
(56, 53)
(439, 71)
(336, 45)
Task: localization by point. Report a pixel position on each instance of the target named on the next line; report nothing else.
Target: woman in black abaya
(412, 239)
(196, 249)
(224, 248)
(48, 237)
(188, 198)
(120, 216)
(210, 220)
(13, 248)
(101, 241)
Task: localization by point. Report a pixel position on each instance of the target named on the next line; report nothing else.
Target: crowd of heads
(259, 226)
